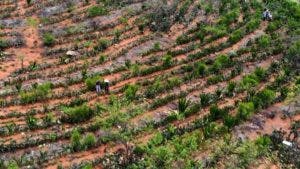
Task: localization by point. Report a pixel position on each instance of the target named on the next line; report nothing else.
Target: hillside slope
(192, 84)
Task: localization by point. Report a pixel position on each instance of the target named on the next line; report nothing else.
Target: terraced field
(193, 84)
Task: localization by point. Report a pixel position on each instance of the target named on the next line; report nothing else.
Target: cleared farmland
(192, 84)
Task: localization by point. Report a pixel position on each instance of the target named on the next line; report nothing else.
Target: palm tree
(183, 104)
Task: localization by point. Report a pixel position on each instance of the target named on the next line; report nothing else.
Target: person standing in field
(98, 86)
(106, 86)
(267, 15)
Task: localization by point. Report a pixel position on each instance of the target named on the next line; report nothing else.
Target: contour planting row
(96, 163)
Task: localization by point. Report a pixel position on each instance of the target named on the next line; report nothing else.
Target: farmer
(106, 86)
(267, 15)
(98, 86)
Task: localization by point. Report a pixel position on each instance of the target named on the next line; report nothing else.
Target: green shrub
(235, 36)
(221, 61)
(77, 114)
(201, 69)
(31, 122)
(167, 61)
(215, 79)
(216, 113)
(87, 166)
(264, 98)
(215, 31)
(224, 60)
(230, 88)
(152, 90)
(89, 140)
(12, 165)
(208, 7)
(156, 47)
(77, 102)
(205, 99)
(252, 25)
(230, 17)
(37, 93)
(260, 73)
(249, 81)
(245, 110)
(183, 104)
(157, 139)
(48, 119)
(97, 11)
(130, 92)
(3, 44)
(273, 26)
(264, 41)
(230, 121)
(102, 45)
(48, 39)
(200, 35)
(90, 82)
(209, 130)
(75, 140)
(263, 143)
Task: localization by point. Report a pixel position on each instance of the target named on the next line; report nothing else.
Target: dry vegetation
(193, 84)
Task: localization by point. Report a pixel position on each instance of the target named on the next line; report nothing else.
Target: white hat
(106, 80)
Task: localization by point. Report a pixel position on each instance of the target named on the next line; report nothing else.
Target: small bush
(12, 165)
(167, 61)
(235, 36)
(230, 17)
(205, 99)
(183, 104)
(75, 140)
(252, 25)
(130, 92)
(102, 45)
(48, 119)
(264, 98)
(87, 166)
(273, 26)
(201, 69)
(245, 110)
(3, 44)
(48, 39)
(224, 60)
(89, 140)
(77, 114)
(38, 93)
(249, 81)
(230, 121)
(264, 41)
(216, 113)
(263, 143)
(97, 11)
(230, 88)
(260, 73)
(31, 122)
